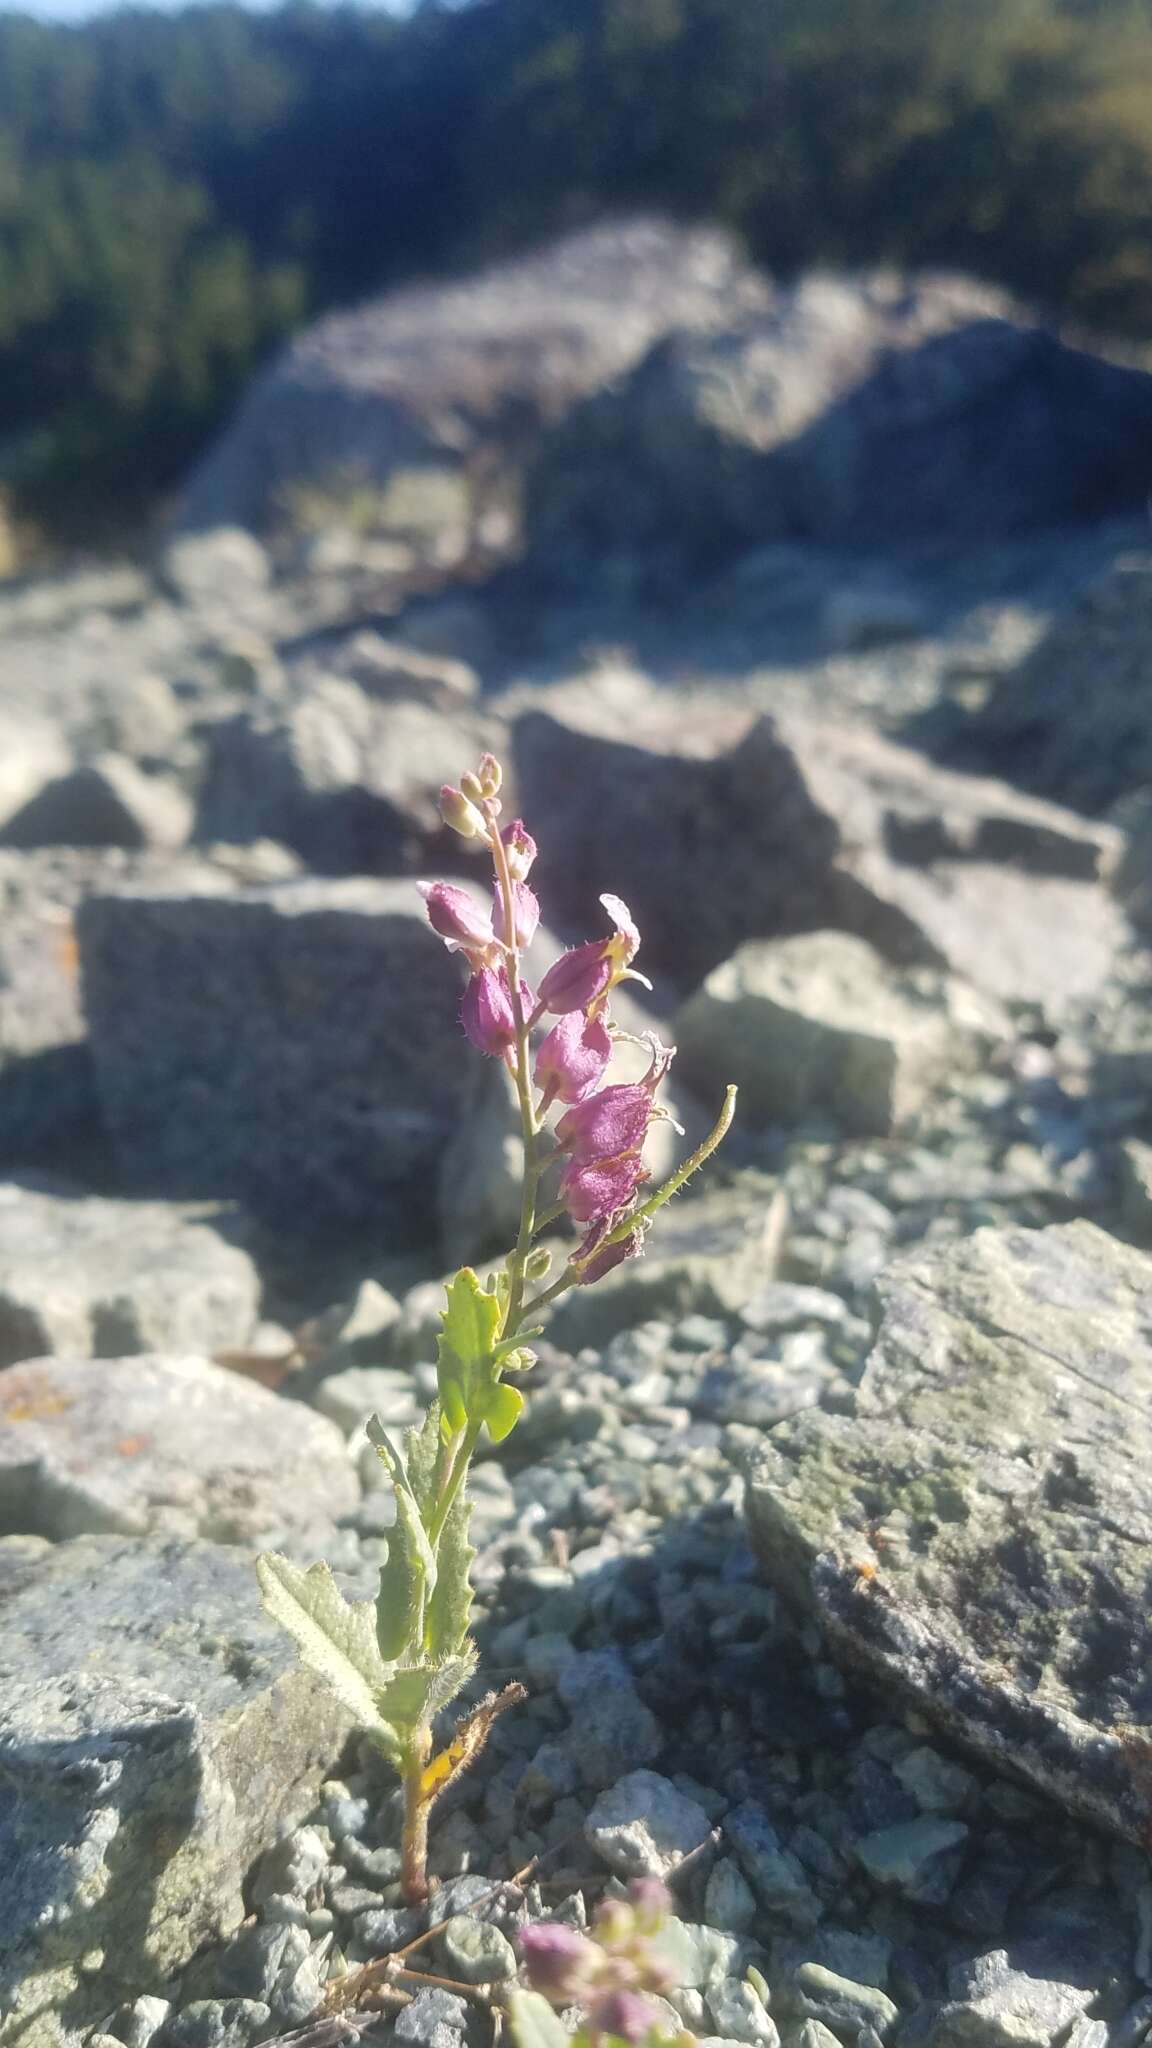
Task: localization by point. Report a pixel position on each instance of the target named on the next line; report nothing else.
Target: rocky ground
(822, 1550)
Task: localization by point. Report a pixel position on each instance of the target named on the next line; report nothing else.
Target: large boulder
(1074, 720)
(165, 1445)
(296, 1047)
(421, 387)
(975, 1536)
(862, 413)
(85, 1274)
(821, 1026)
(105, 802)
(716, 830)
(156, 1734)
(350, 783)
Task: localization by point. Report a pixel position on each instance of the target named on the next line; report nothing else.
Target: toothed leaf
(335, 1637)
(409, 1574)
(470, 1325)
(413, 1698)
(449, 1609)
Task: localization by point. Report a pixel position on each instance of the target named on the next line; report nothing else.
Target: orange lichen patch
(131, 1446)
(67, 951)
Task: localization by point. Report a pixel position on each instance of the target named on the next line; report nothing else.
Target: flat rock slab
(156, 1733)
(103, 1278)
(976, 1537)
(295, 1047)
(131, 1446)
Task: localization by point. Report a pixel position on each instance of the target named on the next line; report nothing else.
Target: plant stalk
(414, 1845)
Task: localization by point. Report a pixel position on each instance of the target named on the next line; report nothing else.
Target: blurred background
(182, 188)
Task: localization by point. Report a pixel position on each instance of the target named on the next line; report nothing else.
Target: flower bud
(612, 1255)
(538, 1264)
(472, 787)
(460, 815)
(456, 917)
(491, 775)
(557, 1960)
(486, 1012)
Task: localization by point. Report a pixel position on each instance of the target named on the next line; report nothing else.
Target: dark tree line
(178, 191)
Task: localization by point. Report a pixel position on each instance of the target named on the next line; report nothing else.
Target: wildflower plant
(399, 1661)
(612, 1975)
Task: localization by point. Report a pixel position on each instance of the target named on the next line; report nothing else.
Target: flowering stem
(530, 1130)
(683, 1173)
(414, 1843)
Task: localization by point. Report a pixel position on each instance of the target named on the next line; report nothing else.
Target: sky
(83, 10)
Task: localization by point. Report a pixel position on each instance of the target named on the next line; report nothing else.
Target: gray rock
(813, 416)
(995, 1474)
(274, 1964)
(350, 784)
(398, 385)
(820, 1025)
(1008, 2008)
(840, 2003)
(222, 567)
(101, 1278)
(139, 2022)
(156, 1731)
(393, 672)
(296, 1046)
(729, 1901)
(612, 1729)
(783, 1305)
(217, 2023)
(775, 1875)
(435, 2019)
(1135, 1175)
(349, 1398)
(105, 802)
(294, 1865)
(34, 754)
(1073, 719)
(475, 1952)
(643, 1827)
(165, 1445)
(737, 2013)
(920, 1858)
(936, 1783)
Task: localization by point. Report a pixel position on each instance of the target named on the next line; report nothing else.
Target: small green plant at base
(397, 1662)
(612, 1974)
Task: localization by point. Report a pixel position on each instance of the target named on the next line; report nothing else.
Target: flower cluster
(599, 1138)
(612, 1971)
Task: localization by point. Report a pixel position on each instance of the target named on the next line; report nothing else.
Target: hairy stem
(414, 1845)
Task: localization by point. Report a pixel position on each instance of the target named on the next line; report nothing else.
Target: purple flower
(596, 1263)
(595, 1189)
(456, 917)
(487, 1014)
(584, 974)
(615, 1120)
(526, 911)
(573, 1057)
(520, 848)
(626, 2014)
(558, 1960)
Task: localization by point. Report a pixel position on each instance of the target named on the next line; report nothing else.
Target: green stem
(530, 1130)
(414, 1841)
(462, 1458)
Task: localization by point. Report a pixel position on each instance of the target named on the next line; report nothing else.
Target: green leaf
(335, 1637)
(422, 1447)
(466, 1349)
(408, 1575)
(503, 1412)
(534, 2024)
(414, 1697)
(449, 1607)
